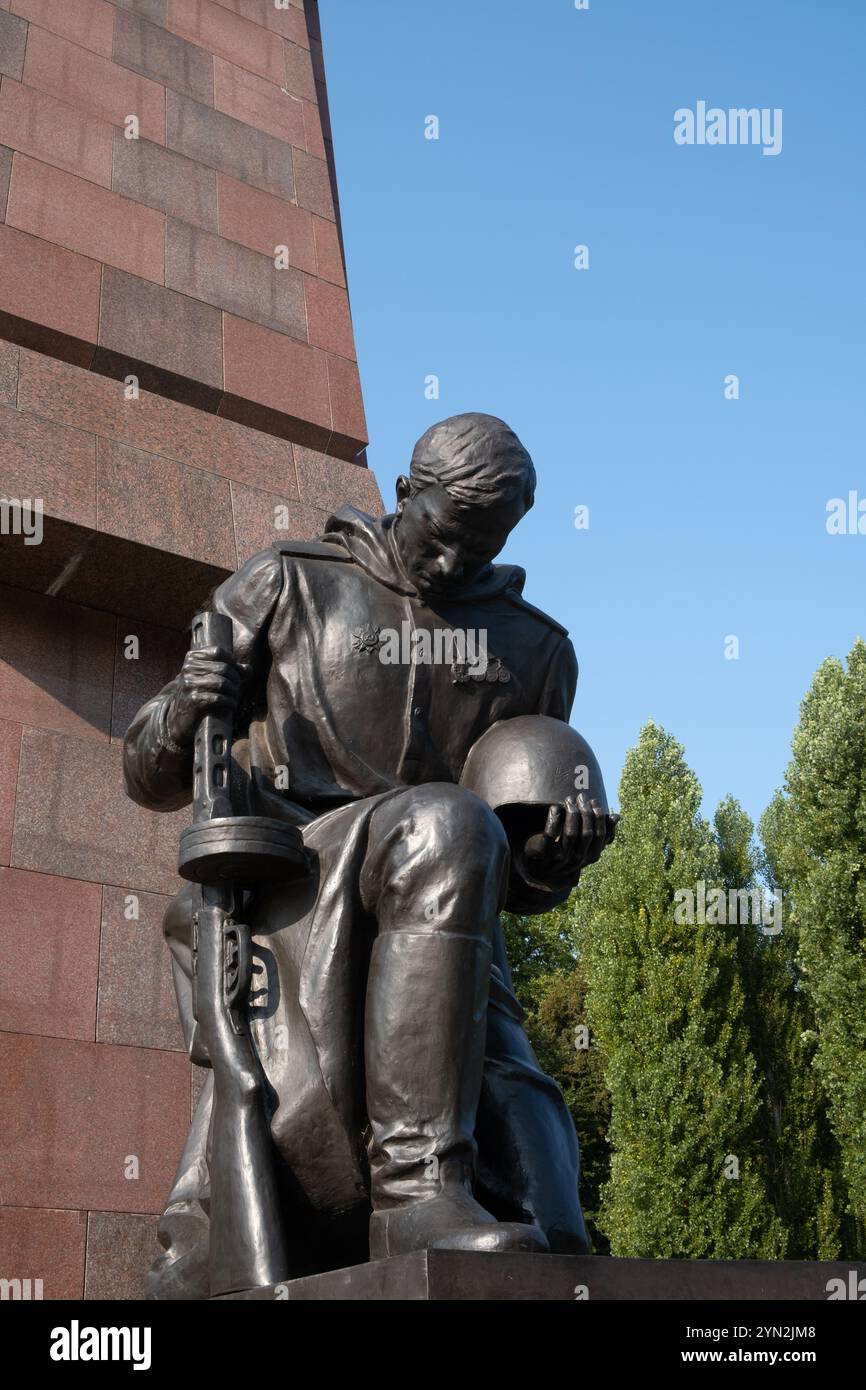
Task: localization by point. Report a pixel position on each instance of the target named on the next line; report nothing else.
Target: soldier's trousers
(425, 859)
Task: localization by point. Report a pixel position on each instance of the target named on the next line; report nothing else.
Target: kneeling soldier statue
(364, 808)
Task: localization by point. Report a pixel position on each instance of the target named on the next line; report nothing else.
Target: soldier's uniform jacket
(330, 718)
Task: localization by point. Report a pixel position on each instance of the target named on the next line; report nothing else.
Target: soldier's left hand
(574, 835)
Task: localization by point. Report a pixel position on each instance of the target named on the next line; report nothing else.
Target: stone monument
(178, 389)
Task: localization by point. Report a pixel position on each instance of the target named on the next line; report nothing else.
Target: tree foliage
(797, 1153)
(815, 843)
(666, 1003)
(721, 1103)
(551, 987)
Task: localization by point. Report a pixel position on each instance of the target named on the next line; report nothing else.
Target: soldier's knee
(438, 861)
(458, 858)
(459, 826)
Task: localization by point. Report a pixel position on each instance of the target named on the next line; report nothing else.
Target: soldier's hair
(477, 459)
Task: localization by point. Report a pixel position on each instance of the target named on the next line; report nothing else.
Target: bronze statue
(392, 713)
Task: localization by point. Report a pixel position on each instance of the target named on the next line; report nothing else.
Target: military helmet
(532, 761)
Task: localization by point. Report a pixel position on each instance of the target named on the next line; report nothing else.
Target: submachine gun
(226, 854)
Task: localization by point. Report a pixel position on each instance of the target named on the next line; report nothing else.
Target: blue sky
(707, 516)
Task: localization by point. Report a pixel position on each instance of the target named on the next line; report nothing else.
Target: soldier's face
(443, 544)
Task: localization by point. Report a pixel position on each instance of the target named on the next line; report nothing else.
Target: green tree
(666, 1005)
(797, 1153)
(567, 1051)
(537, 947)
(550, 986)
(815, 835)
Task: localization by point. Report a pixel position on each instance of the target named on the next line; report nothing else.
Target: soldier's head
(470, 482)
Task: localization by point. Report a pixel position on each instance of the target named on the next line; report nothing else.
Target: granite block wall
(178, 388)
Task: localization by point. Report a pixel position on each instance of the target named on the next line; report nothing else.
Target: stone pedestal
(452, 1275)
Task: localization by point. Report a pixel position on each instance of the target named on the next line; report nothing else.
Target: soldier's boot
(426, 1031)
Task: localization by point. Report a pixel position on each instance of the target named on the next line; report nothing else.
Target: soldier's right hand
(209, 682)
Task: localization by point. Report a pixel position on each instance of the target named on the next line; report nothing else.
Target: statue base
(449, 1275)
